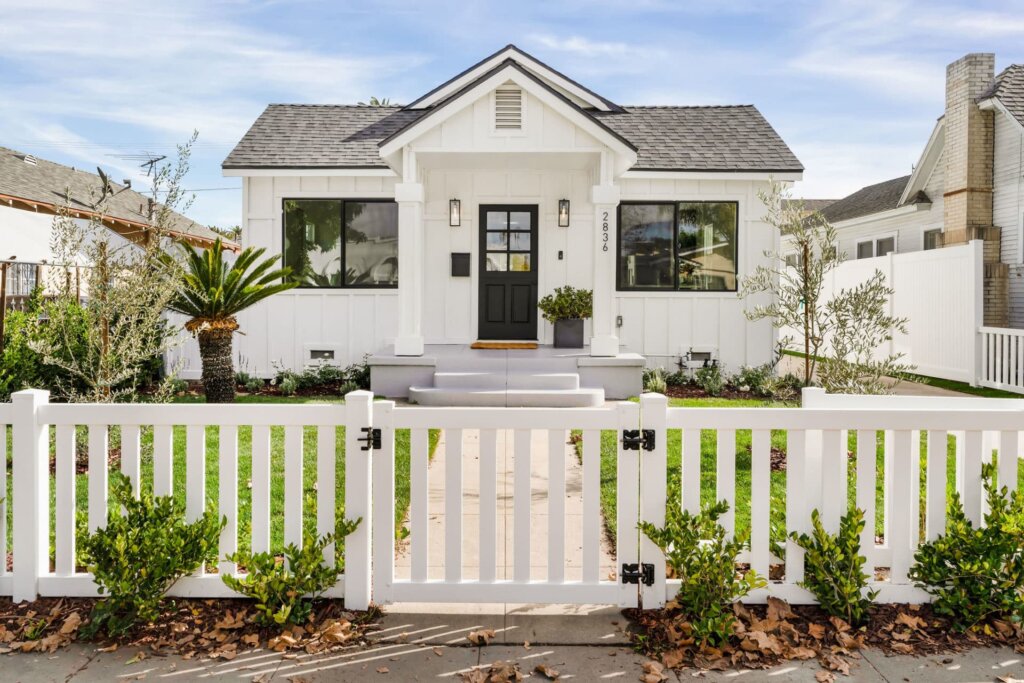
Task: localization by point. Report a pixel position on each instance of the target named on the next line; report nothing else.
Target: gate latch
(638, 573)
(633, 439)
(371, 439)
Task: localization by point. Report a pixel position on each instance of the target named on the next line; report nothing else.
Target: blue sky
(853, 87)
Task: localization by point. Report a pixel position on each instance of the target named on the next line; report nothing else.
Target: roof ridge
(687, 106)
(313, 105)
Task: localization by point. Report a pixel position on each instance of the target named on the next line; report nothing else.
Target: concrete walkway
(539, 459)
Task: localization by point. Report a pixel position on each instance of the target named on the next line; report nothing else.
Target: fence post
(31, 489)
(358, 499)
(653, 493)
(813, 397)
(978, 308)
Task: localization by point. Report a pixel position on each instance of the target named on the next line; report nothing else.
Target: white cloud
(580, 46)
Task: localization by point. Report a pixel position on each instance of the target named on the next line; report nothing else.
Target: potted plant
(566, 309)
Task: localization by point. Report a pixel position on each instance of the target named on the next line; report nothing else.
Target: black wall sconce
(563, 213)
(454, 213)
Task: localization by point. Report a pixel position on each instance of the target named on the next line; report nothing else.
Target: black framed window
(334, 243)
(678, 246)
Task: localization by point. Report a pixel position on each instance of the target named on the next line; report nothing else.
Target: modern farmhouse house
(418, 231)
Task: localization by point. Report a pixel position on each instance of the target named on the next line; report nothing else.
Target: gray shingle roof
(50, 183)
(736, 138)
(872, 199)
(1008, 88)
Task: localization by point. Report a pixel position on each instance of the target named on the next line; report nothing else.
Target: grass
(609, 456)
(402, 453)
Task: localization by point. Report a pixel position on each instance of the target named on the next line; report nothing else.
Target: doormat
(503, 346)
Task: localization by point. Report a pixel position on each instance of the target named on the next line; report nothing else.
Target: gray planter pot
(569, 333)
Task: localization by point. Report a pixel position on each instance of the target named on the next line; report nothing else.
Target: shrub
(709, 378)
(834, 567)
(654, 380)
(785, 388)
(242, 378)
(704, 558)
(754, 378)
(289, 385)
(177, 386)
(974, 574)
(348, 387)
(142, 553)
(254, 385)
(285, 588)
(359, 374)
(20, 366)
(677, 379)
(567, 303)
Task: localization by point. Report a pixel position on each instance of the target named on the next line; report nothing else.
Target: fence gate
(492, 523)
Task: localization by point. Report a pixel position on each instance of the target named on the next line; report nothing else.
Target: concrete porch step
(512, 398)
(502, 380)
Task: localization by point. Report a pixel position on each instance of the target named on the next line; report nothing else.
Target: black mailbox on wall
(460, 264)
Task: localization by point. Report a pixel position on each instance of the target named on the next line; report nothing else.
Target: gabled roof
(47, 187)
(1008, 88)
(876, 198)
(588, 97)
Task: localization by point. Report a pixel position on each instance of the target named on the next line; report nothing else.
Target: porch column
(410, 269)
(605, 341)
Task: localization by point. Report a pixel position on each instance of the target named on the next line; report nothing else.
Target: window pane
(519, 263)
(520, 241)
(885, 246)
(706, 244)
(497, 262)
(497, 220)
(312, 241)
(645, 249)
(497, 240)
(865, 250)
(931, 239)
(519, 220)
(371, 243)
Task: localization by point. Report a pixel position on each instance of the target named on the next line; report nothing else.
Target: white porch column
(605, 199)
(410, 269)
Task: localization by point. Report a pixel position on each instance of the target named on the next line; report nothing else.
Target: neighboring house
(419, 230)
(968, 184)
(32, 190)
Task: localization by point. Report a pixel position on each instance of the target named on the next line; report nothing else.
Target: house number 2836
(604, 231)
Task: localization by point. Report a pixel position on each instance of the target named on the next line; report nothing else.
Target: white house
(968, 184)
(420, 230)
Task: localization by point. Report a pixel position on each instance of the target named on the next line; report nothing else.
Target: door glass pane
(312, 241)
(497, 240)
(497, 262)
(497, 220)
(371, 243)
(645, 259)
(519, 220)
(519, 263)
(885, 246)
(706, 241)
(520, 241)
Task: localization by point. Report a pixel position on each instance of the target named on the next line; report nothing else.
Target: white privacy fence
(837, 451)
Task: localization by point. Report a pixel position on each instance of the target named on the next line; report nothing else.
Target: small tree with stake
(841, 334)
(211, 293)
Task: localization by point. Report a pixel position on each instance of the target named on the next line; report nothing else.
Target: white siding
(1008, 207)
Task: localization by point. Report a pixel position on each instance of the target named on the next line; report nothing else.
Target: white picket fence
(1002, 359)
(816, 477)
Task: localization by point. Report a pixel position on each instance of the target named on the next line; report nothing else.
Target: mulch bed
(766, 635)
(218, 629)
(693, 391)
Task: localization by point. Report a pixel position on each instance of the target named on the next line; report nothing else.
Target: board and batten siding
(664, 325)
(1008, 207)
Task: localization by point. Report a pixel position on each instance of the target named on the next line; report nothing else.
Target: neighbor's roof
(1008, 88)
(715, 138)
(882, 196)
(47, 186)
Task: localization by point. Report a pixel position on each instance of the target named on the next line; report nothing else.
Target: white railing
(816, 439)
(1002, 359)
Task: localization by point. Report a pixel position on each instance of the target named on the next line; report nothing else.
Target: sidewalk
(434, 648)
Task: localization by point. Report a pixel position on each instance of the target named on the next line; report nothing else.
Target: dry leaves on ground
(482, 637)
(498, 672)
(547, 672)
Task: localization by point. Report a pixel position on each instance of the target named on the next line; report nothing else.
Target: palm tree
(212, 292)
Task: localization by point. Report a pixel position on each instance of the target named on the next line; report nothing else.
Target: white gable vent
(508, 108)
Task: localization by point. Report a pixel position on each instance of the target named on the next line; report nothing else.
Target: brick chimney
(969, 150)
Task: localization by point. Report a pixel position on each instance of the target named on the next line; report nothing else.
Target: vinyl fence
(838, 451)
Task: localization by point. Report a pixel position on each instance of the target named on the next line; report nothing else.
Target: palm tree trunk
(218, 373)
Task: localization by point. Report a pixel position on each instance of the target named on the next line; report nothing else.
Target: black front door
(508, 272)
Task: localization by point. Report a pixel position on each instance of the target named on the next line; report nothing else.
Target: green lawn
(609, 454)
(245, 469)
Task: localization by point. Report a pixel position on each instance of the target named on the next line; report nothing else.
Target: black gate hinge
(638, 573)
(371, 439)
(633, 439)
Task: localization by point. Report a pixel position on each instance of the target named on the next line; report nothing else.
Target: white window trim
(509, 132)
(874, 244)
(925, 232)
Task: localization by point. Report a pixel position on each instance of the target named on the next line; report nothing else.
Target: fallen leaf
(438, 651)
(778, 610)
(383, 670)
(911, 621)
(547, 672)
(673, 658)
(71, 624)
(139, 656)
(482, 637)
(816, 631)
(903, 648)
(824, 677)
(251, 640)
(653, 672)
